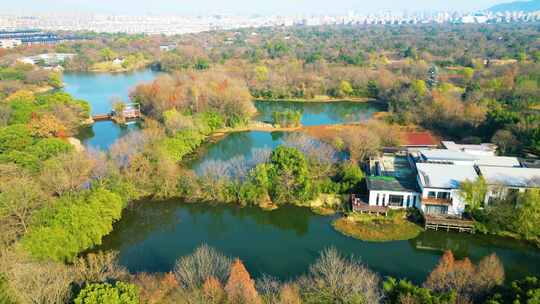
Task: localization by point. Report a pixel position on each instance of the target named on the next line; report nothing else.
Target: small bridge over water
(131, 111)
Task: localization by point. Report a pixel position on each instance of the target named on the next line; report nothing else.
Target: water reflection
(326, 113)
(284, 242)
(99, 89)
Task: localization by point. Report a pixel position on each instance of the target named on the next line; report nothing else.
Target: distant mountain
(526, 6)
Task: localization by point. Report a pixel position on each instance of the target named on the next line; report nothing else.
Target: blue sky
(190, 7)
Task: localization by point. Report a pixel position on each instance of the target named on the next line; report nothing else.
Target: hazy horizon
(203, 7)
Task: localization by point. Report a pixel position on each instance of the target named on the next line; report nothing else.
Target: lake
(284, 242)
(99, 89)
(320, 113)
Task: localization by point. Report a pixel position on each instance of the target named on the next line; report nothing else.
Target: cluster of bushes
(194, 93)
(48, 115)
(287, 118)
(516, 215)
(73, 225)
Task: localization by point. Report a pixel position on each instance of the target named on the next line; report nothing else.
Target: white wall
(499, 192)
(458, 204)
(384, 198)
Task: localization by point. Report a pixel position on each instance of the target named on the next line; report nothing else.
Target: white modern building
(481, 149)
(504, 182)
(456, 157)
(392, 192)
(439, 185)
(47, 59)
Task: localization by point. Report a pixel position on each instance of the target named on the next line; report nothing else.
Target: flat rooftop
(450, 156)
(485, 147)
(511, 177)
(444, 175)
(390, 183)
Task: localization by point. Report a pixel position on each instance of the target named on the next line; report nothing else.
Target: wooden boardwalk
(360, 205)
(102, 117)
(449, 223)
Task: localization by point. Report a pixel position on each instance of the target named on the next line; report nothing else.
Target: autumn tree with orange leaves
(467, 280)
(213, 290)
(240, 287)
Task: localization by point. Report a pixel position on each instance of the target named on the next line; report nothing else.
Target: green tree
(536, 56)
(49, 147)
(528, 208)
(345, 88)
(468, 74)
(349, 176)
(287, 118)
(261, 73)
(22, 106)
(15, 137)
(403, 291)
(107, 54)
(105, 293)
(202, 64)
(55, 80)
(526, 291)
(474, 192)
(289, 176)
(75, 223)
(521, 56)
(419, 87)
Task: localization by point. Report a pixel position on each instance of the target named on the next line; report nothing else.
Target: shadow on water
(284, 242)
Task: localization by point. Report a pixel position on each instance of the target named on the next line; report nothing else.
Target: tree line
(208, 276)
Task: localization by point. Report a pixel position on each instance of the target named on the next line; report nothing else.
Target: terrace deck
(360, 205)
(449, 223)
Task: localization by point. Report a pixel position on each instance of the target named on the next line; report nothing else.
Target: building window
(414, 200)
(436, 210)
(443, 195)
(396, 200)
(432, 194)
(377, 200)
(408, 201)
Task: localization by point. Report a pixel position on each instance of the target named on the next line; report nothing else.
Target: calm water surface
(99, 89)
(238, 144)
(283, 243)
(320, 113)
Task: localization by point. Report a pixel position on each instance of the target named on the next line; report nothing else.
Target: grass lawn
(373, 228)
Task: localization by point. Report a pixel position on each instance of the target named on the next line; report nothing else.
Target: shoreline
(99, 71)
(322, 100)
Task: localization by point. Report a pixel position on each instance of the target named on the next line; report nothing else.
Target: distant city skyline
(206, 7)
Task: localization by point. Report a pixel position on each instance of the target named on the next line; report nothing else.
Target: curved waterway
(281, 243)
(99, 89)
(284, 242)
